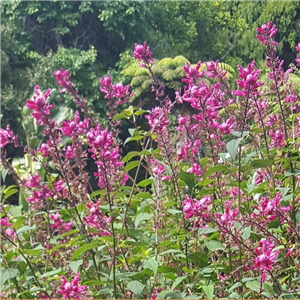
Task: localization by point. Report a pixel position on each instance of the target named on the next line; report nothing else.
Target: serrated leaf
(136, 287)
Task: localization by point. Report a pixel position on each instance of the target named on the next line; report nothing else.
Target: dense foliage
(90, 38)
(216, 214)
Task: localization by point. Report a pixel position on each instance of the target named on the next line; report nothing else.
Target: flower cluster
(59, 225)
(106, 155)
(143, 54)
(7, 137)
(9, 232)
(40, 106)
(96, 220)
(195, 207)
(75, 127)
(266, 257)
(266, 33)
(63, 79)
(298, 56)
(73, 290)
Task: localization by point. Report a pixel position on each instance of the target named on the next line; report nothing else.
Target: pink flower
(265, 257)
(59, 224)
(4, 222)
(76, 127)
(143, 54)
(277, 139)
(249, 81)
(7, 137)
(72, 289)
(266, 33)
(96, 219)
(196, 208)
(40, 106)
(63, 79)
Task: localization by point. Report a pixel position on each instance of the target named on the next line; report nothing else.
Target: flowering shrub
(216, 216)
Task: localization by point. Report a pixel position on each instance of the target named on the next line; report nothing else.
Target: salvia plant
(215, 215)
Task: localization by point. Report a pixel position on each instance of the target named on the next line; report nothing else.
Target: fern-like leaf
(167, 62)
(180, 60)
(169, 75)
(138, 80)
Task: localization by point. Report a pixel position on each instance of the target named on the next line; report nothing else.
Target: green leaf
(16, 211)
(142, 217)
(145, 182)
(134, 138)
(119, 117)
(25, 228)
(173, 295)
(253, 286)
(208, 291)
(206, 230)
(166, 269)
(261, 163)
(214, 169)
(232, 147)
(136, 287)
(236, 285)
(213, 245)
(246, 232)
(7, 274)
(152, 265)
(51, 273)
(74, 265)
(177, 281)
(84, 248)
(131, 165)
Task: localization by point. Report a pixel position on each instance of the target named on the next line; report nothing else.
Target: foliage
(216, 214)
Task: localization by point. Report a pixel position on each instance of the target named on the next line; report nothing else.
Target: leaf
(51, 273)
(166, 269)
(25, 228)
(173, 295)
(261, 163)
(214, 245)
(214, 169)
(246, 232)
(152, 265)
(145, 182)
(16, 211)
(177, 281)
(131, 165)
(206, 230)
(74, 265)
(119, 117)
(142, 217)
(84, 248)
(236, 285)
(209, 291)
(136, 287)
(253, 286)
(232, 147)
(133, 138)
(7, 274)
